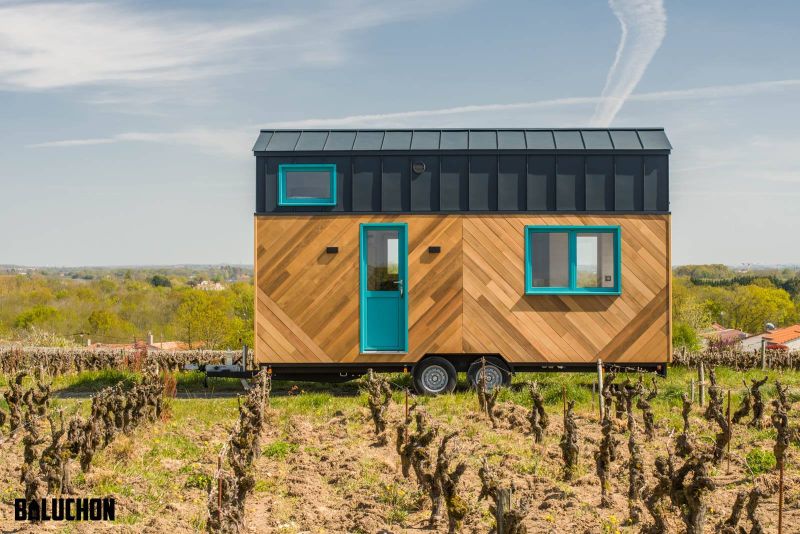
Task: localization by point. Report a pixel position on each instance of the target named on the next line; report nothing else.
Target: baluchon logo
(64, 509)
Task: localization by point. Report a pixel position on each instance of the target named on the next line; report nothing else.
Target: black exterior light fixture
(332, 250)
(418, 167)
(434, 250)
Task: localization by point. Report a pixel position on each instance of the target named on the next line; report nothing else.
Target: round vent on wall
(418, 167)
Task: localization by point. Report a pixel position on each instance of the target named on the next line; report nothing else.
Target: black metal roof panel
(511, 140)
(340, 140)
(283, 141)
(454, 140)
(396, 141)
(568, 140)
(625, 139)
(654, 140)
(597, 140)
(311, 140)
(368, 140)
(479, 139)
(425, 140)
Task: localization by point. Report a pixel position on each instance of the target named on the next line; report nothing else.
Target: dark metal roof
(584, 139)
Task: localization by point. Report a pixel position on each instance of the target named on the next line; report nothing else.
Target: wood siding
(469, 298)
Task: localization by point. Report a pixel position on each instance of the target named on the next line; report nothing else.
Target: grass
(173, 460)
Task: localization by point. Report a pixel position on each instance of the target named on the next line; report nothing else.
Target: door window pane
(308, 184)
(383, 255)
(549, 259)
(595, 260)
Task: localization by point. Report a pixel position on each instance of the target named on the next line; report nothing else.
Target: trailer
(444, 251)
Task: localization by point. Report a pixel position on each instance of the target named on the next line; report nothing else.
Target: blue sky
(126, 127)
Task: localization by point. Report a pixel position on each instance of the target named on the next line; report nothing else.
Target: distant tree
(202, 317)
(159, 280)
(36, 316)
(684, 336)
(792, 286)
(753, 306)
(712, 271)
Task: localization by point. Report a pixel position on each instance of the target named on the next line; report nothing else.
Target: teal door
(384, 287)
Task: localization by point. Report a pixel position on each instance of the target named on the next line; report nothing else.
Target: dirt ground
(321, 470)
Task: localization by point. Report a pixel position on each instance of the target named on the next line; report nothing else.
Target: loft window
(572, 260)
(307, 184)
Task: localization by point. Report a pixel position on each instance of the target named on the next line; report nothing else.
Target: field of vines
(711, 451)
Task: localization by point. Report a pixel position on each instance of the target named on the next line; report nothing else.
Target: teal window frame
(283, 168)
(572, 240)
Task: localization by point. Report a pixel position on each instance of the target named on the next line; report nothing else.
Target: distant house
(208, 285)
(784, 338)
(787, 338)
(719, 335)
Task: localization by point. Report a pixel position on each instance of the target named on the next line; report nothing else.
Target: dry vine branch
(656, 494)
(569, 442)
(758, 403)
(643, 403)
(635, 462)
(780, 420)
(446, 480)
(684, 446)
(379, 396)
(745, 406)
(605, 456)
(487, 399)
(689, 497)
(730, 525)
(229, 488)
(508, 520)
(714, 412)
(538, 415)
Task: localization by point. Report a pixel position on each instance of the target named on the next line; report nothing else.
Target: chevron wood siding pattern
(468, 298)
(307, 301)
(499, 317)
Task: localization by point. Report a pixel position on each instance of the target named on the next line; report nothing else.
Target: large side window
(572, 260)
(307, 184)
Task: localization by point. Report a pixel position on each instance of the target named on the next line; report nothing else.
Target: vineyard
(694, 452)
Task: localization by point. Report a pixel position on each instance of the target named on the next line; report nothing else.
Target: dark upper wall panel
(511, 183)
(425, 185)
(395, 184)
(453, 183)
(656, 183)
(541, 183)
(367, 183)
(482, 183)
(599, 183)
(570, 183)
(628, 183)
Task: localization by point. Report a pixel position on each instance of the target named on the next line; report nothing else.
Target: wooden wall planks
(469, 298)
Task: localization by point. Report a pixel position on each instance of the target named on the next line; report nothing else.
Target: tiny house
(438, 251)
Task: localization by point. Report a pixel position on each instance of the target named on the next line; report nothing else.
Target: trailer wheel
(497, 373)
(433, 376)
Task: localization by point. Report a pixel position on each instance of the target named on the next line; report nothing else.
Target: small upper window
(307, 184)
(572, 260)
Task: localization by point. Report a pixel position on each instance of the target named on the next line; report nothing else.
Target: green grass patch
(279, 449)
(761, 461)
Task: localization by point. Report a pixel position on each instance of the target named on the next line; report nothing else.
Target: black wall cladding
(481, 182)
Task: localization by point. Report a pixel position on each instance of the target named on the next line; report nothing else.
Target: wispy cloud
(697, 93)
(644, 25)
(227, 142)
(64, 44)
(230, 141)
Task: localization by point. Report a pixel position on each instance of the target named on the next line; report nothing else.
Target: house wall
(469, 298)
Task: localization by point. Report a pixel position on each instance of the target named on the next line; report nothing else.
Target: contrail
(644, 25)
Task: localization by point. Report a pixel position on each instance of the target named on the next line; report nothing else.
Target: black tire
(495, 367)
(433, 376)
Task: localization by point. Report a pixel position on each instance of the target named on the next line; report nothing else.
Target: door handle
(399, 284)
